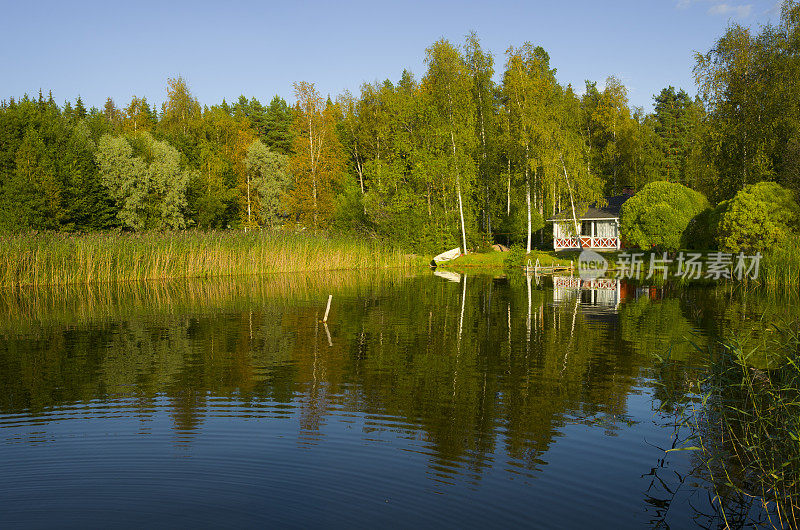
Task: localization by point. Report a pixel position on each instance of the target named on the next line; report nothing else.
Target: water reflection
(592, 294)
(468, 375)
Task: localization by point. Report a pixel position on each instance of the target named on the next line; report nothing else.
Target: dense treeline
(69, 168)
(451, 158)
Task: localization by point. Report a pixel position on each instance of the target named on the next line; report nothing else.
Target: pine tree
(279, 126)
(672, 127)
(80, 110)
(33, 195)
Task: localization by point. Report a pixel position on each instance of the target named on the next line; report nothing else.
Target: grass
(515, 258)
(746, 428)
(488, 260)
(780, 268)
(34, 259)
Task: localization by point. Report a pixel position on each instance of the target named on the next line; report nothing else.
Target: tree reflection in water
(471, 369)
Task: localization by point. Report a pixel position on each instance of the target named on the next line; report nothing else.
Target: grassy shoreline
(45, 258)
(779, 269)
(36, 259)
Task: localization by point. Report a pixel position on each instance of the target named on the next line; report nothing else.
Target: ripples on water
(422, 401)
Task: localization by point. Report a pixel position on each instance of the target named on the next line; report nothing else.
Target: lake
(435, 399)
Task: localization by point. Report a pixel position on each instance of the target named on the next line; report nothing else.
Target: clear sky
(224, 49)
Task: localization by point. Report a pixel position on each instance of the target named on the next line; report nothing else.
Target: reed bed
(780, 267)
(30, 308)
(744, 425)
(757, 414)
(38, 259)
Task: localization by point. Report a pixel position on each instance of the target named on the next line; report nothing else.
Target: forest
(479, 149)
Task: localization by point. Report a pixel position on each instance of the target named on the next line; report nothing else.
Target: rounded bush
(658, 215)
(757, 218)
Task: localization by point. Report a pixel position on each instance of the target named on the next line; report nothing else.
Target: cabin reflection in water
(596, 295)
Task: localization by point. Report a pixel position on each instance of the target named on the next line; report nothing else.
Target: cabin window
(586, 228)
(606, 229)
(564, 229)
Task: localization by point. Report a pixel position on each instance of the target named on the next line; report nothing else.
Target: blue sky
(223, 49)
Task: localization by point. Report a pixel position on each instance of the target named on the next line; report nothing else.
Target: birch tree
(349, 134)
(448, 83)
(612, 114)
(316, 164)
(181, 112)
(527, 84)
(481, 66)
(567, 144)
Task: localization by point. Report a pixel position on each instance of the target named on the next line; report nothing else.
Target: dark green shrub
(703, 229)
(757, 218)
(658, 215)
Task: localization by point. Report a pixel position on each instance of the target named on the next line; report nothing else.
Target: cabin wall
(600, 234)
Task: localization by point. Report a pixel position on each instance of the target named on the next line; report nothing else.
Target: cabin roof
(610, 211)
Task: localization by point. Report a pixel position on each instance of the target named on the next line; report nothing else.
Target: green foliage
(401, 216)
(750, 83)
(87, 203)
(253, 112)
(640, 159)
(181, 112)
(350, 212)
(34, 186)
(149, 193)
(278, 133)
(658, 215)
(758, 218)
(515, 224)
(58, 259)
(269, 180)
(421, 153)
(703, 229)
(672, 125)
(780, 267)
(487, 131)
(47, 171)
(448, 85)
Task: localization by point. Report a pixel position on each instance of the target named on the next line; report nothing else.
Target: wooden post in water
(328, 308)
(328, 333)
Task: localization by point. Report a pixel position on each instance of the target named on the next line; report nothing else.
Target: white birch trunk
(508, 190)
(461, 214)
(458, 191)
(571, 201)
(249, 220)
(528, 200)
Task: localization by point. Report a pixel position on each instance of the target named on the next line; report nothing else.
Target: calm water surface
(425, 399)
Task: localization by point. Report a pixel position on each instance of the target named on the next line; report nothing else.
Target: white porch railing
(597, 242)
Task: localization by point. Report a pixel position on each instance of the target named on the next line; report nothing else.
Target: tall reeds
(30, 308)
(744, 424)
(780, 267)
(58, 259)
